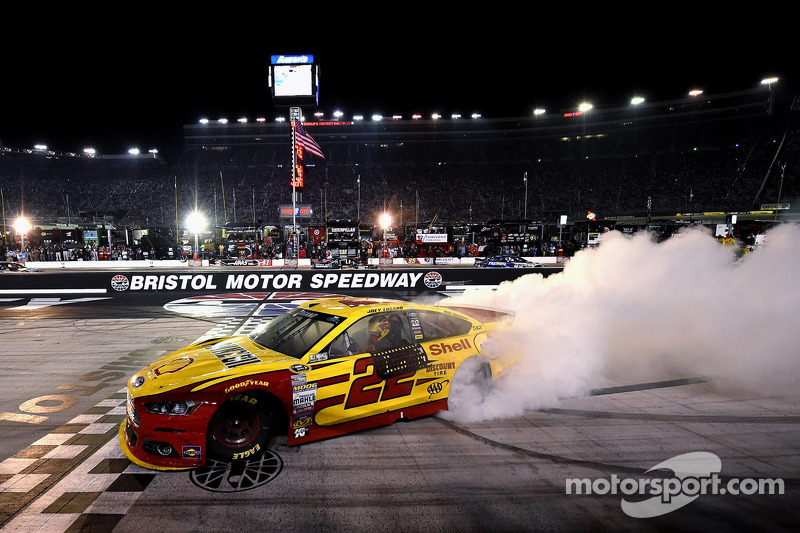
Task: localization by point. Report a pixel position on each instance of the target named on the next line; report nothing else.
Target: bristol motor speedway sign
(277, 281)
(409, 281)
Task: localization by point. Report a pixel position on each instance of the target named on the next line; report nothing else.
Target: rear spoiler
(479, 312)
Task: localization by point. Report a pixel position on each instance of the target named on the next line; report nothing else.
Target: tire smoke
(633, 310)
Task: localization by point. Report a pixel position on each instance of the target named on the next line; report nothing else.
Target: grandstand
(730, 152)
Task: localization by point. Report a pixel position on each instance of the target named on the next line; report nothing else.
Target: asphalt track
(65, 360)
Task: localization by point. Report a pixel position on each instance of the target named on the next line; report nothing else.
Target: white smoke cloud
(633, 310)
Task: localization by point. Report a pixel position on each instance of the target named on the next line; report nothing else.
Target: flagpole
(294, 116)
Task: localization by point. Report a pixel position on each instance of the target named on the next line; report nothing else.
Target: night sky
(136, 79)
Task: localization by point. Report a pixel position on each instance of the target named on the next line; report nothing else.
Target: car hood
(207, 363)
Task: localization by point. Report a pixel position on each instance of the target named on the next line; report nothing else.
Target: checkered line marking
(77, 478)
(100, 483)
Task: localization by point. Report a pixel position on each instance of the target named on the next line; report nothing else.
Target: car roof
(350, 306)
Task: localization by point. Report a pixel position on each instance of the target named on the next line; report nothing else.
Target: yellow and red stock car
(328, 367)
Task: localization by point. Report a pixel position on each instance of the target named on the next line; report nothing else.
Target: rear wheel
(241, 428)
(471, 384)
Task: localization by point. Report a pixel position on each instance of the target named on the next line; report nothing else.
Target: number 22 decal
(364, 390)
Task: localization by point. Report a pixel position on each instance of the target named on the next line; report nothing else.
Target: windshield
(295, 332)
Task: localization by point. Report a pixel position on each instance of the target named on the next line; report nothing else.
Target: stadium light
(584, 107)
(636, 100)
(385, 220)
(695, 92)
(40, 147)
(538, 111)
(769, 81)
(195, 222)
(22, 226)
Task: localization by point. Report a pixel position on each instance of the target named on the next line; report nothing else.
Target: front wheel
(240, 429)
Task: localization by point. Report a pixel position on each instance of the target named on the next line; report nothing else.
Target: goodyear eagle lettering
(364, 280)
(248, 383)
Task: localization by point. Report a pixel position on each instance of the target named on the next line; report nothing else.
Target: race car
(343, 263)
(507, 261)
(328, 367)
(13, 266)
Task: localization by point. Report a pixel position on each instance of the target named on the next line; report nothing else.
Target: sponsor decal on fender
(192, 451)
(303, 397)
(444, 347)
(247, 383)
(440, 369)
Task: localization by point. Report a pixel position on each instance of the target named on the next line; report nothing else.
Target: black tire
(241, 428)
(470, 386)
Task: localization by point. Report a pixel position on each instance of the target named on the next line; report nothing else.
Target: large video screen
(293, 80)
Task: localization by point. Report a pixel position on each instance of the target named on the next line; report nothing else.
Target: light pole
(525, 211)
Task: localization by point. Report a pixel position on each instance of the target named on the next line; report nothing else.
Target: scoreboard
(294, 80)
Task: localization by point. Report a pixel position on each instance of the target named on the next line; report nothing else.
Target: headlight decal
(180, 407)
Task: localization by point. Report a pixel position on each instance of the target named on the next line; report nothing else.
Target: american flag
(307, 142)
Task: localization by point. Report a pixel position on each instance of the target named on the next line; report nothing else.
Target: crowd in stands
(416, 182)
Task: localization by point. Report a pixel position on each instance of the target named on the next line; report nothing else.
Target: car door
(356, 383)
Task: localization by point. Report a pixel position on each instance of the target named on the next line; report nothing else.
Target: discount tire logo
(695, 474)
